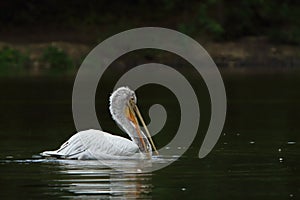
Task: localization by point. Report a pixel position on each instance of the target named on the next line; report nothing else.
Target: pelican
(95, 144)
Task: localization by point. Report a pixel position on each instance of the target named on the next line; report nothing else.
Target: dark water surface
(257, 156)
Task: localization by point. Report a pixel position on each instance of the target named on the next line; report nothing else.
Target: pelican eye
(131, 99)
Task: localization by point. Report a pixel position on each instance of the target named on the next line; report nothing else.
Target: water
(255, 158)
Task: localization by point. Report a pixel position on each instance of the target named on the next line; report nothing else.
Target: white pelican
(96, 144)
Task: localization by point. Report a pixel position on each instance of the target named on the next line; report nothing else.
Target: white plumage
(96, 144)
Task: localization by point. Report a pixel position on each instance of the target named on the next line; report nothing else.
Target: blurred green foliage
(12, 62)
(277, 19)
(227, 20)
(53, 61)
(56, 60)
(218, 19)
(213, 19)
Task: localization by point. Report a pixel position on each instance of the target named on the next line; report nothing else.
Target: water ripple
(76, 179)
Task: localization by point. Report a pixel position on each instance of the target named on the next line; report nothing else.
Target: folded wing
(94, 144)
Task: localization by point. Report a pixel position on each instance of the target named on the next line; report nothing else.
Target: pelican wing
(95, 144)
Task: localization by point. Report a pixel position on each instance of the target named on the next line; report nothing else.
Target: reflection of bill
(88, 180)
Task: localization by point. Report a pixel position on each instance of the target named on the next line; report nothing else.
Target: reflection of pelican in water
(95, 144)
(89, 180)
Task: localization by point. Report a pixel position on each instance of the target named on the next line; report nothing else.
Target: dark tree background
(217, 19)
(52, 36)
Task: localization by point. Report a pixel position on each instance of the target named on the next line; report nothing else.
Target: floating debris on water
(36, 156)
(167, 147)
(291, 195)
(224, 134)
(237, 134)
(9, 157)
(280, 159)
(279, 149)
(252, 142)
(225, 143)
(178, 147)
(291, 142)
(183, 189)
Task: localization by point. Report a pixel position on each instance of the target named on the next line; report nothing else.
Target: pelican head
(124, 110)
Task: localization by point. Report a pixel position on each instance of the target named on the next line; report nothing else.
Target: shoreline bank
(244, 55)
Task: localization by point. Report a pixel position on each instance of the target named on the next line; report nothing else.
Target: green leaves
(55, 58)
(12, 61)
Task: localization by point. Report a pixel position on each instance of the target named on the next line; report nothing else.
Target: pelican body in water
(95, 144)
